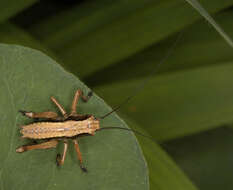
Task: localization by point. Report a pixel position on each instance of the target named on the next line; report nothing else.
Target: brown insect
(55, 128)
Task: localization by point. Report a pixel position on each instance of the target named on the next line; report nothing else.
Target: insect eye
(96, 119)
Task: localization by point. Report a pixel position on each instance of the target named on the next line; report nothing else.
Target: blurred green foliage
(115, 45)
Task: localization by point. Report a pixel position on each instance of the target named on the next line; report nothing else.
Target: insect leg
(44, 145)
(40, 115)
(62, 110)
(60, 159)
(79, 155)
(78, 94)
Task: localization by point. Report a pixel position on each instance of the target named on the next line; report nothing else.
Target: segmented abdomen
(43, 130)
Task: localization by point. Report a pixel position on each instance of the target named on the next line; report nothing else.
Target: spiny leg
(40, 115)
(78, 94)
(62, 110)
(79, 155)
(60, 159)
(44, 145)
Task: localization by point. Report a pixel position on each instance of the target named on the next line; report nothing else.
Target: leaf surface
(205, 157)
(196, 5)
(163, 171)
(105, 37)
(191, 51)
(13, 34)
(113, 159)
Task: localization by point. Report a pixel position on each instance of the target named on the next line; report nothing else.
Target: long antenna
(146, 81)
(127, 129)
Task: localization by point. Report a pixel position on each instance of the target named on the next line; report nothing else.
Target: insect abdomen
(45, 130)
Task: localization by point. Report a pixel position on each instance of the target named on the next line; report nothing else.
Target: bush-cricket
(54, 128)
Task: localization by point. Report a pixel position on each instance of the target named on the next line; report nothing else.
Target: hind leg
(44, 145)
(40, 115)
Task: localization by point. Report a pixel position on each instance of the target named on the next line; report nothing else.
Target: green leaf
(12, 34)
(113, 159)
(177, 104)
(62, 28)
(206, 158)
(198, 46)
(162, 168)
(10, 8)
(125, 35)
(196, 5)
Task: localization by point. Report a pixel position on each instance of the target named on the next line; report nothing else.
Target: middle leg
(61, 159)
(79, 155)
